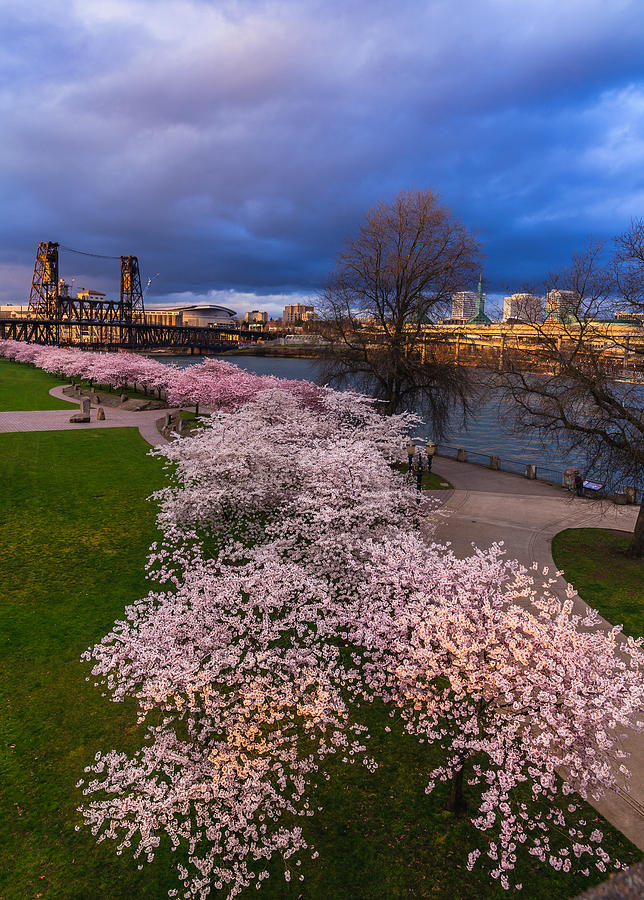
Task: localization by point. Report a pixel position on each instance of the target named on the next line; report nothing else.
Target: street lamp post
(419, 474)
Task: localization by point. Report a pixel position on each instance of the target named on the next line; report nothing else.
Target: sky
(234, 145)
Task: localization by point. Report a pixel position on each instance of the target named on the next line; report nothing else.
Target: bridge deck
(117, 334)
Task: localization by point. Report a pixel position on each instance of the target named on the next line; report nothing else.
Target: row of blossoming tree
(213, 383)
(292, 584)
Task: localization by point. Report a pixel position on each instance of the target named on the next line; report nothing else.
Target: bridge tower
(43, 298)
(131, 294)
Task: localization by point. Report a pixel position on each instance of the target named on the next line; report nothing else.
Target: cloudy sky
(232, 144)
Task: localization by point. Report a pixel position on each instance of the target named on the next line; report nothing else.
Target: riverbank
(274, 350)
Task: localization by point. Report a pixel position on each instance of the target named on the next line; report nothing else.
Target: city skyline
(232, 148)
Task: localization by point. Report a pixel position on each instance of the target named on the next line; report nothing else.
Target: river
(488, 432)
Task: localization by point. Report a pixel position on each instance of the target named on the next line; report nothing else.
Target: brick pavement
(58, 420)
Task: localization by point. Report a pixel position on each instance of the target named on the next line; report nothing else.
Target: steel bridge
(95, 334)
(56, 318)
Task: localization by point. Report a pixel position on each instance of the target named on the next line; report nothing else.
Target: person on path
(411, 452)
(579, 484)
(419, 468)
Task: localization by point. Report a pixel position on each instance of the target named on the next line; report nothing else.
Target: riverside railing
(492, 461)
(550, 474)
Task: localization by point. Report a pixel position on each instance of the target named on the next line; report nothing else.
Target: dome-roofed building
(196, 316)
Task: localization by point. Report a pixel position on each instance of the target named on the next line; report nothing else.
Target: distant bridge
(115, 334)
(84, 321)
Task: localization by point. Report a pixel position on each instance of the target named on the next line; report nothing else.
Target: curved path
(487, 506)
(58, 419)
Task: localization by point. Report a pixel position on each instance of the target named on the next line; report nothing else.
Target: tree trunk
(636, 547)
(456, 802)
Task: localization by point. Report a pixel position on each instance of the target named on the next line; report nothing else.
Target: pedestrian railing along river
(492, 461)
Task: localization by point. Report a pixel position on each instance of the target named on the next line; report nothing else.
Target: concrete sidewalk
(487, 506)
(58, 419)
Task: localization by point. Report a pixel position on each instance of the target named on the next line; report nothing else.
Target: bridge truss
(55, 318)
(114, 335)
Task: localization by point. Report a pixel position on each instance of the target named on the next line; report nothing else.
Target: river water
(487, 433)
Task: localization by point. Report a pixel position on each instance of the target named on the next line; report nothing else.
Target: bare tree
(585, 385)
(392, 281)
(629, 266)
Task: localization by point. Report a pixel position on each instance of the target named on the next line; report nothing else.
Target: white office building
(523, 308)
(560, 305)
(464, 304)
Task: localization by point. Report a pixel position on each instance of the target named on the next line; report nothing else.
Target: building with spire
(479, 317)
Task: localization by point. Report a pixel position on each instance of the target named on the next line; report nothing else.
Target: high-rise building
(298, 312)
(560, 306)
(470, 305)
(255, 317)
(464, 304)
(523, 308)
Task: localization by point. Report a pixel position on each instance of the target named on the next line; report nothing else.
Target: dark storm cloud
(233, 145)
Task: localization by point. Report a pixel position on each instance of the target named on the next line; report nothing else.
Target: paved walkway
(58, 419)
(487, 506)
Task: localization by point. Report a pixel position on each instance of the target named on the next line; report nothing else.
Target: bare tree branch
(392, 281)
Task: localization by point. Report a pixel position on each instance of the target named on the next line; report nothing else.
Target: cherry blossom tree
(244, 649)
(213, 383)
(517, 690)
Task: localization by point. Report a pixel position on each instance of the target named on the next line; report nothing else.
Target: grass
(116, 392)
(74, 530)
(431, 480)
(24, 388)
(594, 561)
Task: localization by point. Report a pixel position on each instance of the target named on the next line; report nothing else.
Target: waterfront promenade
(488, 506)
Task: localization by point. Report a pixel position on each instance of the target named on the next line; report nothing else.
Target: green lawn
(74, 531)
(431, 480)
(23, 387)
(116, 392)
(593, 560)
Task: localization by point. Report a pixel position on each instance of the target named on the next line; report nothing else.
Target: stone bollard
(461, 455)
(531, 471)
(631, 493)
(95, 398)
(83, 415)
(167, 420)
(495, 462)
(100, 414)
